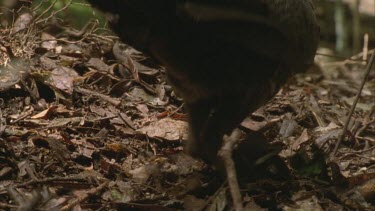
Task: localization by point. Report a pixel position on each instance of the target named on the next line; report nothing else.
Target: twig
(8, 206)
(35, 8)
(366, 122)
(338, 57)
(369, 65)
(106, 98)
(45, 11)
(44, 181)
(106, 38)
(85, 196)
(225, 153)
(53, 13)
(175, 111)
(365, 47)
(83, 32)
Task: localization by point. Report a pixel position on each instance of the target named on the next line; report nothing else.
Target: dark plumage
(225, 58)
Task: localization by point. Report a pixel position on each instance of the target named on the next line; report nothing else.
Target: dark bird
(225, 58)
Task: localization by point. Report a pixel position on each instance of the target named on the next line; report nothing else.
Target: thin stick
(337, 56)
(369, 65)
(53, 13)
(225, 153)
(84, 196)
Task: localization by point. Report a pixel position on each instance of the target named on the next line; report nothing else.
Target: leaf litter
(93, 124)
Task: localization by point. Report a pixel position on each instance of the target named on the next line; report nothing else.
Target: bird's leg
(199, 115)
(210, 120)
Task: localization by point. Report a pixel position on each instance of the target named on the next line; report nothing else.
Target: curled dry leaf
(166, 129)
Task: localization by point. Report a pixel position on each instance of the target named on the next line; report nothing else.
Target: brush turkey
(226, 58)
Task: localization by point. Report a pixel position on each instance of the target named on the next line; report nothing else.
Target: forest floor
(90, 123)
